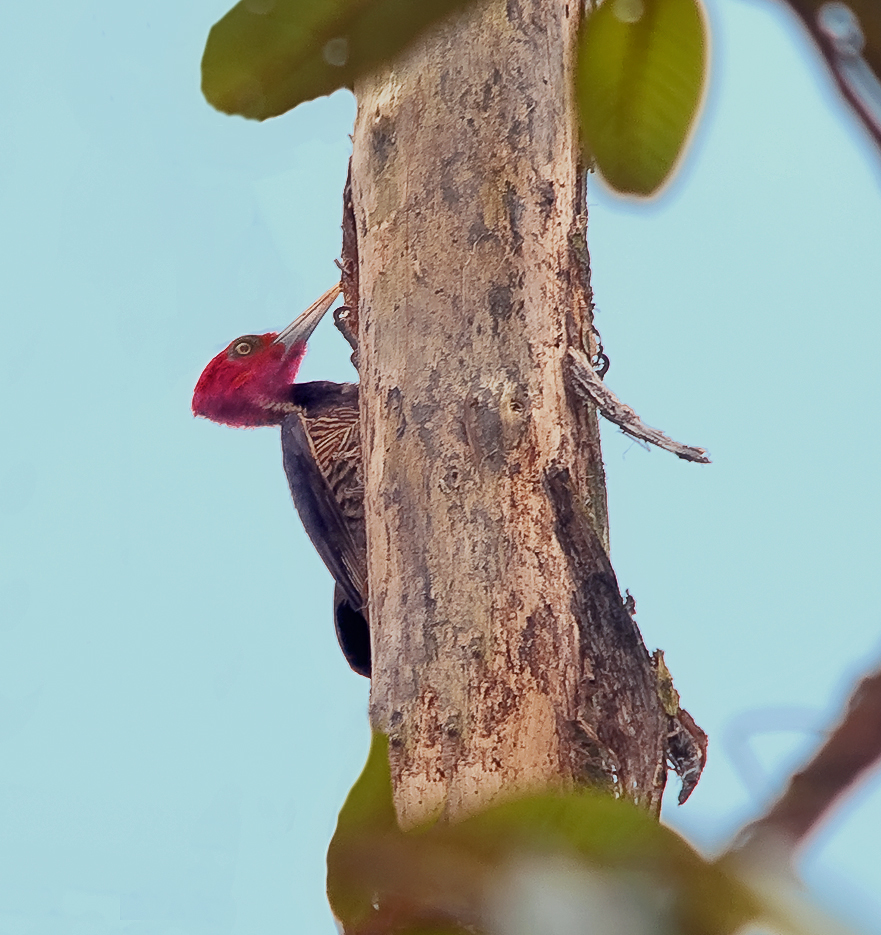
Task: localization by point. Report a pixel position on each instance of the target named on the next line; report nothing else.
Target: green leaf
(368, 811)
(581, 852)
(613, 836)
(266, 56)
(640, 77)
(423, 882)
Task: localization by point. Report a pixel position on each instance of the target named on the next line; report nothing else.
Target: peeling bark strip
(503, 658)
(595, 391)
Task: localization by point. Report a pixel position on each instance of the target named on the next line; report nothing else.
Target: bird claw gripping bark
(346, 320)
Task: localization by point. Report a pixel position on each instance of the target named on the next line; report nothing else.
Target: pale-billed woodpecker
(252, 383)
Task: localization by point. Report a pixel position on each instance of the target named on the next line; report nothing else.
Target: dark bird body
(252, 383)
(321, 445)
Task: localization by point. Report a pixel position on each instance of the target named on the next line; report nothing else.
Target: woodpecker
(252, 383)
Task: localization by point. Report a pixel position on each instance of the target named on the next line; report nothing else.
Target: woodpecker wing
(321, 449)
(321, 446)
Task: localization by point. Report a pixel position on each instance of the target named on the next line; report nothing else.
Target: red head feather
(248, 384)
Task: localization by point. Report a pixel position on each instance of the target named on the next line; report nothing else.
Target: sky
(177, 726)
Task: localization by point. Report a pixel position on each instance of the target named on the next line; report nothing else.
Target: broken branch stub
(588, 384)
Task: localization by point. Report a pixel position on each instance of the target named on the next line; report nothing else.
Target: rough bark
(504, 658)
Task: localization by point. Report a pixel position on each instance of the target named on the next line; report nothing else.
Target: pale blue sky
(177, 726)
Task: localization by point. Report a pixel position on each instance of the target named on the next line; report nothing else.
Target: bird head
(248, 383)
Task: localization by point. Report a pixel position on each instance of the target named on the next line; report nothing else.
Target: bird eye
(244, 346)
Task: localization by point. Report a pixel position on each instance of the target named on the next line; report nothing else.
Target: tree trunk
(504, 659)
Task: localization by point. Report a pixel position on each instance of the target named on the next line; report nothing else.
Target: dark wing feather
(320, 511)
(321, 445)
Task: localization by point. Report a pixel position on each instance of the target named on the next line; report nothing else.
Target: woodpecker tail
(352, 633)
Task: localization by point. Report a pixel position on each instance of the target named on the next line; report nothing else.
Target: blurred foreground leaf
(578, 863)
(640, 76)
(266, 56)
(471, 873)
(367, 812)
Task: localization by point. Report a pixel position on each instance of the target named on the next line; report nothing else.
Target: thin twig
(588, 383)
(851, 749)
(840, 38)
